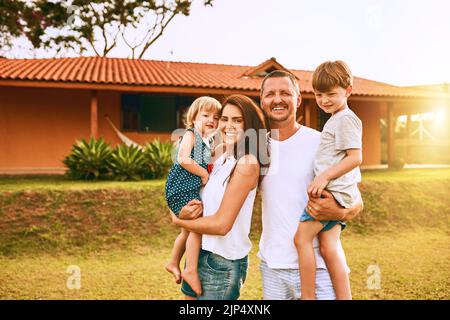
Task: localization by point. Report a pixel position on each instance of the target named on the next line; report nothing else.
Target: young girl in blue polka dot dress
(186, 177)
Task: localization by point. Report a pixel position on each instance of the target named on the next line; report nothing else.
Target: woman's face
(231, 124)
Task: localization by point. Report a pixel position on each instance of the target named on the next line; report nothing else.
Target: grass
(140, 274)
(23, 183)
(120, 236)
(42, 182)
(414, 264)
(406, 175)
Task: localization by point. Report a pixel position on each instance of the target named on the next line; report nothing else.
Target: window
(157, 113)
(148, 113)
(183, 104)
(130, 112)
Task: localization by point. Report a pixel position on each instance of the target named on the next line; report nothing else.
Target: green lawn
(20, 183)
(120, 236)
(421, 273)
(406, 175)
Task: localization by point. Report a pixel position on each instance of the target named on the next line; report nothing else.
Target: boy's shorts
(327, 224)
(178, 201)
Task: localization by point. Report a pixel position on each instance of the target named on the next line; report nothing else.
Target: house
(47, 104)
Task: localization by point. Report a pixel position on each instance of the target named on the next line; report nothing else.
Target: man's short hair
(281, 74)
(332, 74)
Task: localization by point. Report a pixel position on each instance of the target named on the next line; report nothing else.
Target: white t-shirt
(284, 197)
(236, 243)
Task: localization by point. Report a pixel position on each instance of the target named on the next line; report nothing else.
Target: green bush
(159, 158)
(398, 164)
(95, 160)
(88, 160)
(128, 163)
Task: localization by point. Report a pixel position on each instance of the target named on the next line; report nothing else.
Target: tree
(81, 24)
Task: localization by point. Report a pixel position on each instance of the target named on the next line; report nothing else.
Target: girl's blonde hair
(203, 103)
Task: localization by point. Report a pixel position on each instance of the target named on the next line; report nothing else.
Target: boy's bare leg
(329, 241)
(304, 237)
(190, 274)
(173, 266)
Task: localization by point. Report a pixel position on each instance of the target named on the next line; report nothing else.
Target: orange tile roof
(118, 71)
(441, 87)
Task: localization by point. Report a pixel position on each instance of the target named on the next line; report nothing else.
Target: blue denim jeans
(221, 278)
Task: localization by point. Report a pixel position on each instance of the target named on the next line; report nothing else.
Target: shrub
(398, 164)
(128, 163)
(88, 160)
(159, 158)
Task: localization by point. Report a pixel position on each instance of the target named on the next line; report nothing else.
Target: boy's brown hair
(332, 74)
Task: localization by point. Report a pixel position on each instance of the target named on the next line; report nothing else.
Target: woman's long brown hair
(254, 118)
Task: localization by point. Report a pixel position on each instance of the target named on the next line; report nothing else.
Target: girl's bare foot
(174, 269)
(192, 278)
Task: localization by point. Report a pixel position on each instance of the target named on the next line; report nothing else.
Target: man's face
(279, 100)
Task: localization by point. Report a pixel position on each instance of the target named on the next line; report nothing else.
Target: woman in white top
(228, 199)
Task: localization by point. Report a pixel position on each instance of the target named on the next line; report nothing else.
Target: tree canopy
(78, 25)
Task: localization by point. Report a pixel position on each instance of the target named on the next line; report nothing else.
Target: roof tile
(120, 71)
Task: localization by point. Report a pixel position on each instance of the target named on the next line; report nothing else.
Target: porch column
(408, 136)
(390, 134)
(94, 114)
(308, 115)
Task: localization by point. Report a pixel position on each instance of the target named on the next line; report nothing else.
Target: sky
(401, 42)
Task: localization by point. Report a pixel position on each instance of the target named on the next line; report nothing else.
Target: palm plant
(88, 160)
(128, 163)
(159, 157)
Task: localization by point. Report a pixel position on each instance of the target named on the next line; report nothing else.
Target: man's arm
(328, 208)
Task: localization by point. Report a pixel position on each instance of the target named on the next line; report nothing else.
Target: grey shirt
(341, 132)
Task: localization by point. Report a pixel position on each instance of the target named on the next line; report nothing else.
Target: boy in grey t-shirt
(336, 170)
(340, 133)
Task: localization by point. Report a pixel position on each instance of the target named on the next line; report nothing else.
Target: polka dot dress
(183, 186)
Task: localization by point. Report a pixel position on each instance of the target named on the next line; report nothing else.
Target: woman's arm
(184, 156)
(328, 208)
(244, 179)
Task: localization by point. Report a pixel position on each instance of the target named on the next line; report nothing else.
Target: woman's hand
(205, 179)
(175, 219)
(192, 210)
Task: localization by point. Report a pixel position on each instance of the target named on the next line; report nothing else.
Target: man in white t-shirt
(284, 193)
